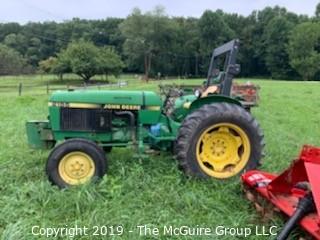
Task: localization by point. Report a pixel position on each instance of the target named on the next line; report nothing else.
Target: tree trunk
(85, 77)
(86, 80)
(146, 72)
(196, 66)
(147, 66)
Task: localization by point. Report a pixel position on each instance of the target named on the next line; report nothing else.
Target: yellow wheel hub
(223, 150)
(76, 168)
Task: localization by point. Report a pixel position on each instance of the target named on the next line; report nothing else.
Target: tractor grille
(78, 119)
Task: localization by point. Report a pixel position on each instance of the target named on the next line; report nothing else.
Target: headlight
(197, 93)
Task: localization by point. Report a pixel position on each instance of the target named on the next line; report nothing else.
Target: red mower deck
(285, 190)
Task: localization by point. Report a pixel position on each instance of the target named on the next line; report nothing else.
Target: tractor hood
(141, 98)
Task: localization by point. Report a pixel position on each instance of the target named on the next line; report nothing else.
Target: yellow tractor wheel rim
(223, 150)
(76, 168)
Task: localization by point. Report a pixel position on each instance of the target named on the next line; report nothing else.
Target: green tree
(152, 42)
(11, 62)
(185, 49)
(304, 49)
(110, 62)
(8, 28)
(61, 66)
(147, 35)
(16, 41)
(47, 65)
(275, 38)
(82, 58)
(55, 66)
(317, 11)
(86, 60)
(213, 30)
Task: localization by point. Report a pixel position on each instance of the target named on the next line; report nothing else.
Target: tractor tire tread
(191, 123)
(75, 144)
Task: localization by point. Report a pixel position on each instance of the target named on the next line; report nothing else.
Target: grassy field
(149, 192)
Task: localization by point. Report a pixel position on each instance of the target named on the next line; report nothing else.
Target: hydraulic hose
(305, 206)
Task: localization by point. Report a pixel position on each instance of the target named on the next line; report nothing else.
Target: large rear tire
(219, 140)
(75, 162)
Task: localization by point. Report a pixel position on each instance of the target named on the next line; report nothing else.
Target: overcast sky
(42, 10)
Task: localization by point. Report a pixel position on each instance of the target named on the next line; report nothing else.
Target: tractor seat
(210, 90)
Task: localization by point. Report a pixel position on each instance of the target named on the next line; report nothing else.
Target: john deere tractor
(208, 128)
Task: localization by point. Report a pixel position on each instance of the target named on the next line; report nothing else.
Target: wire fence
(41, 89)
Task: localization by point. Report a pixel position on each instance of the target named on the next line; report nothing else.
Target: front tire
(76, 162)
(219, 140)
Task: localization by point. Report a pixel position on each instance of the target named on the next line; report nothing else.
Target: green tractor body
(110, 118)
(114, 118)
(81, 123)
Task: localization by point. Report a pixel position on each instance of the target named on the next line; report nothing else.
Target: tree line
(275, 43)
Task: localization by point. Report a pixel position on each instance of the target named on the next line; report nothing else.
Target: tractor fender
(212, 99)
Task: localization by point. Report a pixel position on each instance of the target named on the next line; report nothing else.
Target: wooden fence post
(47, 87)
(20, 89)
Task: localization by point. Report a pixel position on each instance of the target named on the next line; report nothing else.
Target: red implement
(285, 190)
